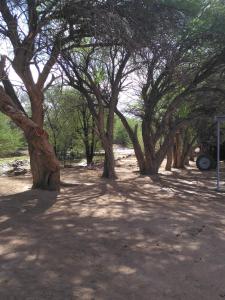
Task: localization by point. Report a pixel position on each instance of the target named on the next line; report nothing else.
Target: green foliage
(11, 139)
(209, 24)
(121, 136)
(64, 122)
(61, 122)
(189, 7)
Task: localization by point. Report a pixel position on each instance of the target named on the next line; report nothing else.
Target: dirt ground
(135, 238)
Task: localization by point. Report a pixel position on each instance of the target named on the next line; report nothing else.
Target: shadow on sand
(128, 239)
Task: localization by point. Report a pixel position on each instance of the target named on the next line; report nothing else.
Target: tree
(179, 66)
(26, 26)
(87, 129)
(98, 74)
(70, 124)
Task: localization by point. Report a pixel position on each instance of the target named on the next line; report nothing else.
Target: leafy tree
(70, 124)
(181, 67)
(98, 74)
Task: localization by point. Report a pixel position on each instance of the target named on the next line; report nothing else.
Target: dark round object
(205, 162)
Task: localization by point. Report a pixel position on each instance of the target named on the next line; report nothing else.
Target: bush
(11, 139)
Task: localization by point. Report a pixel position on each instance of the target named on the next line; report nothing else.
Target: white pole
(218, 155)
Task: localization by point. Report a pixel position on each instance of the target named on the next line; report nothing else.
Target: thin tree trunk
(187, 150)
(89, 151)
(192, 155)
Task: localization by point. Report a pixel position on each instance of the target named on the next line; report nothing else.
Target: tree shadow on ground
(24, 206)
(127, 239)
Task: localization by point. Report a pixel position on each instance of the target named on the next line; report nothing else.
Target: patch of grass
(6, 160)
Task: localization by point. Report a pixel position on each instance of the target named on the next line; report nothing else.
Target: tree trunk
(139, 156)
(152, 167)
(109, 162)
(169, 159)
(44, 164)
(44, 176)
(89, 150)
(192, 154)
(186, 151)
(89, 154)
(177, 152)
(152, 163)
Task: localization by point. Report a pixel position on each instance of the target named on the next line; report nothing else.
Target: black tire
(205, 162)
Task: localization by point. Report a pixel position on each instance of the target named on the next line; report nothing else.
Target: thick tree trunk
(44, 164)
(169, 159)
(45, 175)
(109, 163)
(152, 163)
(177, 152)
(151, 167)
(139, 156)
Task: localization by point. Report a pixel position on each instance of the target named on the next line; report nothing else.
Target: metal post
(218, 155)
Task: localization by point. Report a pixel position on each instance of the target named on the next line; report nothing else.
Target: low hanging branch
(8, 107)
(8, 85)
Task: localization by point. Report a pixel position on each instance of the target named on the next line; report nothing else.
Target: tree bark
(177, 152)
(152, 162)
(109, 162)
(187, 149)
(89, 152)
(192, 154)
(44, 165)
(152, 169)
(169, 159)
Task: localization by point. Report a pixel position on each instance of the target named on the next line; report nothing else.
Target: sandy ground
(135, 238)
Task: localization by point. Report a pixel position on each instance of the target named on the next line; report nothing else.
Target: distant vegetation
(11, 138)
